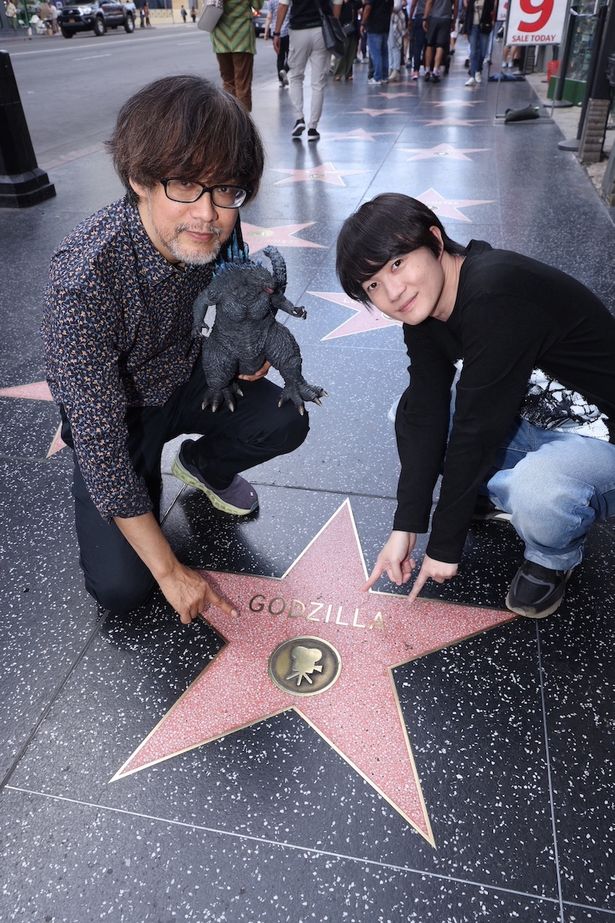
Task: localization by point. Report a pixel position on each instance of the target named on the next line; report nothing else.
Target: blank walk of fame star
(448, 151)
(449, 208)
(364, 319)
(36, 391)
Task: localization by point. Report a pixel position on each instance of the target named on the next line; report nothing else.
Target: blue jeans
(555, 485)
(378, 44)
(479, 44)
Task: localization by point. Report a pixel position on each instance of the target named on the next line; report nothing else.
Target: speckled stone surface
(511, 728)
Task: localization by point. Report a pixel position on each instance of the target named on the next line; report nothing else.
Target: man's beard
(193, 256)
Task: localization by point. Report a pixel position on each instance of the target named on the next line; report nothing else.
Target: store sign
(536, 22)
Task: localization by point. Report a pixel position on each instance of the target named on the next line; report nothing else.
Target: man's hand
(190, 594)
(276, 43)
(394, 559)
(432, 570)
(260, 374)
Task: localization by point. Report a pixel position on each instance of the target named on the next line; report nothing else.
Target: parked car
(95, 16)
(259, 18)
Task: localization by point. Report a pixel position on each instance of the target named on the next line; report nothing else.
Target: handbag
(212, 11)
(332, 33)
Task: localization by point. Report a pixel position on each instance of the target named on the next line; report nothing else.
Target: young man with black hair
(122, 360)
(504, 315)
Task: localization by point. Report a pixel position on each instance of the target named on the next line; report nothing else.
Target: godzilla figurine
(245, 333)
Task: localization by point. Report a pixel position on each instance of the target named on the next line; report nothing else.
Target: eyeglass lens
(223, 196)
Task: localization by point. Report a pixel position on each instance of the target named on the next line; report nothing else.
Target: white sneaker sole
(532, 614)
(178, 470)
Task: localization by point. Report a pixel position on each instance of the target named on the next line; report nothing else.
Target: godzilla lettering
(246, 334)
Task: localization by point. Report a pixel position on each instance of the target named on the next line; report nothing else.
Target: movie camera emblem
(304, 666)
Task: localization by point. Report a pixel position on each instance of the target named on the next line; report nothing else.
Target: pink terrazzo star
(449, 208)
(357, 134)
(449, 151)
(37, 391)
(362, 321)
(457, 103)
(376, 113)
(323, 173)
(320, 598)
(281, 235)
(396, 94)
(442, 123)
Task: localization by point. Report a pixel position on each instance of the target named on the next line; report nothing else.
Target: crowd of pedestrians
(418, 36)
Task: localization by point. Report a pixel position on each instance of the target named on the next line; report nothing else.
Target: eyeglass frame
(204, 189)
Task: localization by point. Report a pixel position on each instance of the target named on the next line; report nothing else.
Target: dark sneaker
(238, 499)
(427, 75)
(537, 591)
(298, 129)
(313, 134)
(435, 76)
(485, 511)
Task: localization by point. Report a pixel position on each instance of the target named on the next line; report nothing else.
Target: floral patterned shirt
(117, 332)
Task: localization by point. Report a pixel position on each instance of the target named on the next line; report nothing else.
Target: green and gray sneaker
(238, 499)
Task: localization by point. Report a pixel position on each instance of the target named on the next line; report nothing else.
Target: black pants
(282, 59)
(257, 431)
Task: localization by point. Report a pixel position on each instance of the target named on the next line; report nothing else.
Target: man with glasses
(122, 361)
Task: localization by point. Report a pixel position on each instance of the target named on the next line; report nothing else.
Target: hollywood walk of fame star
(363, 319)
(282, 235)
(442, 150)
(324, 173)
(449, 208)
(357, 134)
(375, 113)
(318, 603)
(457, 103)
(37, 391)
(392, 94)
(443, 123)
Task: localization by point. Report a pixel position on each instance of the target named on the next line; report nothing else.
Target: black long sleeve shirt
(511, 315)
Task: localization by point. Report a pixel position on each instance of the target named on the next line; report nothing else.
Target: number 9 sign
(536, 22)
(541, 8)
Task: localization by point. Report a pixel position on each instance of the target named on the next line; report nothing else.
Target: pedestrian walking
(11, 15)
(306, 44)
(417, 37)
(282, 54)
(234, 43)
(349, 18)
(375, 22)
(479, 19)
(438, 21)
(193, 13)
(397, 29)
(184, 15)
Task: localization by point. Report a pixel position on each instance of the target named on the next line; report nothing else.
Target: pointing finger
(419, 583)
(373, 577)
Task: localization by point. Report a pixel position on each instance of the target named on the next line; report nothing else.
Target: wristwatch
(276, 34)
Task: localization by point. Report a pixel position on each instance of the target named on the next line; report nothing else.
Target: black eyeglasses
(223, 196)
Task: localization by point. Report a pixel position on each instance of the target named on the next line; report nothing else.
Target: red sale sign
(536, 22)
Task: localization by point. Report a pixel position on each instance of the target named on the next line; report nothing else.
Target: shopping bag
(212, 11)
(333, 34)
